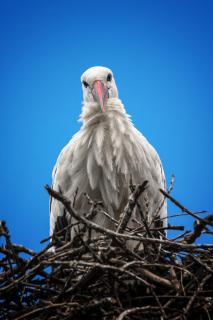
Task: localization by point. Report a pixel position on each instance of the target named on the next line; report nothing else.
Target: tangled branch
(102, 277)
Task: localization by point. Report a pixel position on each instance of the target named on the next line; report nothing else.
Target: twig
(184, 209)
(199, 226)
(136, 310)
(125, 217)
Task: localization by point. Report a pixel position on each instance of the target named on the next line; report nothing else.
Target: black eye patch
(109, 77)
(85, 84)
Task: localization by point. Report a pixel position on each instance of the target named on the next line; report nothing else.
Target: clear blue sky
(161, 54)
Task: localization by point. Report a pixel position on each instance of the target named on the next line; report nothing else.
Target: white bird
(105, 155)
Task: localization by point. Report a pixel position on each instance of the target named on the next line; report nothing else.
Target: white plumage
(105, 155)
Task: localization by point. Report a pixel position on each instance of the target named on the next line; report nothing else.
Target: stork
(102, 158)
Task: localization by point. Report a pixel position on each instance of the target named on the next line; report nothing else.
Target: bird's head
(98, 86)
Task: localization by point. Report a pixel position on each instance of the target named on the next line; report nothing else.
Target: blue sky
(161, 55)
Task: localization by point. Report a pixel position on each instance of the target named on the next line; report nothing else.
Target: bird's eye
(85, 84)
(109, 77)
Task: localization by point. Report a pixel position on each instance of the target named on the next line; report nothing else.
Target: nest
(102, 277)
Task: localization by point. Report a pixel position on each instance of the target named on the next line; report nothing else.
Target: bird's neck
(92, 110)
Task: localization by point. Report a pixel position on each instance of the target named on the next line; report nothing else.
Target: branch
(199, 226)
(125, 217)
(184, 209)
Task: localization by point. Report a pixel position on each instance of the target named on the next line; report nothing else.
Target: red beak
(100, 93)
